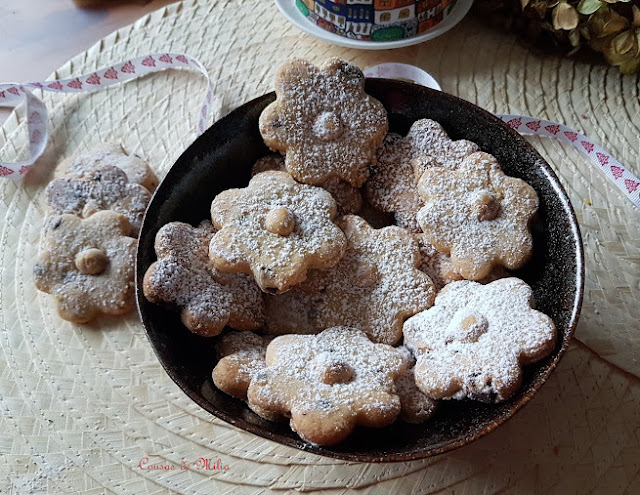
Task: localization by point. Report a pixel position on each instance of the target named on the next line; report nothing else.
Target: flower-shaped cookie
(87, 265)
(478, 215)
(104, 188)
(275, 229)
(208, 299)
(392, 187)
(329, 383)
(81, 166)
(375, 287)
(242, 355)
(324, 122)
(475, 339)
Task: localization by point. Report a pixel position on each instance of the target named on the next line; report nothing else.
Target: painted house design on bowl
(376, 20)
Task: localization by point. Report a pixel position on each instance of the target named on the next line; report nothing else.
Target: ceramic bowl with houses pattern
(374, 24)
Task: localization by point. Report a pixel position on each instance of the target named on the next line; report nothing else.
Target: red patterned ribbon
(12, 94)
(623, 179)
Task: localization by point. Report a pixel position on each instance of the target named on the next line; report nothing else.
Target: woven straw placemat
(82, 406)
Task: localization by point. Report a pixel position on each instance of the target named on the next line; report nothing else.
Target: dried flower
(608, 27)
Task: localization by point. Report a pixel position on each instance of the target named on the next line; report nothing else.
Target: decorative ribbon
(623, 179)
(11, 94)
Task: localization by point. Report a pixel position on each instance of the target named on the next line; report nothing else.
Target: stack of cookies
(361, 276)
(89, 242)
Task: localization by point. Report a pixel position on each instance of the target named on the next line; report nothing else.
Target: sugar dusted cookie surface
(242, 356)
(415, 406)
(427, 137)
(208, 299)
(375, 287)
(87, 265)
(478, 215)
(440, 268)
(324, 122)
(348, 198)
(136, 169)
(329, 383)
(392, 188)
(104, 188)
(275, 229)
(475, 339)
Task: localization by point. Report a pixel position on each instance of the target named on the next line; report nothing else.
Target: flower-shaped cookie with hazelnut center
(475, 339)
(184, 276)
(324, 122)
(104, 188)
(329, 383)
(393, 186)
(478, 215)
(375, 287)
(87, 265)
(275, 229)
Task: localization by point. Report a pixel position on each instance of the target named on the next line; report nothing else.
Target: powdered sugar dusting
(427, 137)
(440, 268)
(474, 340)
(183, 276)
(105, 188)
(416, 407)
(136, 169)
(295, 382)
(276, 261)
(457, 216)
(324, 121)
(375, 287)
(348, 198)
(393, 185)
(82, 297)
(241, 355)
